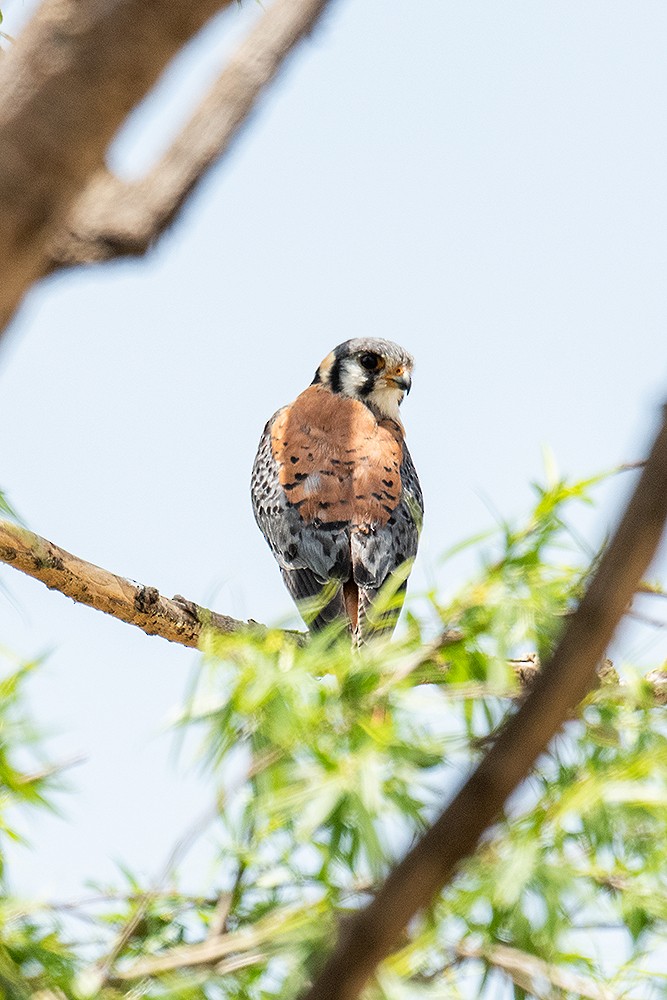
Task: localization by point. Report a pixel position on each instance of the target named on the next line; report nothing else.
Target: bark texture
(67, 84)
(177, 620)
(112, 218)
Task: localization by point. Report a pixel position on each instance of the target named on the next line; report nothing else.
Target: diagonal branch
(532, 974)
(112, 218)
(368, 937)
(177, 620)
(66, 86)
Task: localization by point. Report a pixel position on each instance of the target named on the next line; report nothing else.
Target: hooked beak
(403, 381)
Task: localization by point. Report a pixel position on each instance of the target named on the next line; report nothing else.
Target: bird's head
(375, 372)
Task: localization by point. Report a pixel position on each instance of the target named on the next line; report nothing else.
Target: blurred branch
(652, 589)
(371, 934)
(52, 770)
(112, 218)
(103, 968)
(526, 670)
(657, 679)
(533, 974)
(213, 950)
(177, 620)
(646, 619)
(78, 907)
(429, 652)
(66, 86)
(631, 466)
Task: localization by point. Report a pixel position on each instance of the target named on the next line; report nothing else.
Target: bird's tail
(319, 605)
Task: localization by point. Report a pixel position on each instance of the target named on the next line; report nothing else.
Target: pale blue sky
(484, 184)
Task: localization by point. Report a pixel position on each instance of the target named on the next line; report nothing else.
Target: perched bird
(334, 490)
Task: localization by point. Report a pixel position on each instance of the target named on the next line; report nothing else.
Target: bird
(335, 492)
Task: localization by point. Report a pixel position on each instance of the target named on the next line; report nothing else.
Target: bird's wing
(311, 555)
(380, 551)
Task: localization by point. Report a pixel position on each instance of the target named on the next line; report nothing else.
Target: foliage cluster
(326, 764)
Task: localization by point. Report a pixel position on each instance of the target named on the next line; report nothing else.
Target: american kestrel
(334, 490)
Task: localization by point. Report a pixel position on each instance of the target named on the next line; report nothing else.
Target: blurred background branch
(112, 218)
(67, 85)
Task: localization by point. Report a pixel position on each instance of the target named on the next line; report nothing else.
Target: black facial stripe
(368, 386)
(334, 376)
(317, 379)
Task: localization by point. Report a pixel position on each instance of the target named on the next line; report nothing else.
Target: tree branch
(177, 620)
(112, 218)
(371, 934)
(67, 84)
(528, 972)
(182, 621)
(211, 951)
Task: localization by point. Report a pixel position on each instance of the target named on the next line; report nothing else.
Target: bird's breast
(336, 462)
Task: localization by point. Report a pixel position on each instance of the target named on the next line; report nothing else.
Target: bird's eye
(371, 362)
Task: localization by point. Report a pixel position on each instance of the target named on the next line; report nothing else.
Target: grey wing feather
(376, 554)
(309, 556)
(380, 552)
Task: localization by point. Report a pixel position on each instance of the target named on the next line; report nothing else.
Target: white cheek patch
(384, 398)
(352, 380)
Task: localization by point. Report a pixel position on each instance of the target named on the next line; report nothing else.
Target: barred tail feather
(319, 604)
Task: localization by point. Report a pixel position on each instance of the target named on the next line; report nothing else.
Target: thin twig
(77, 907)
(240, 962)
(639, 616)
(631, 466)
(652, 589)
(51, 770)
